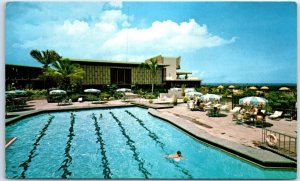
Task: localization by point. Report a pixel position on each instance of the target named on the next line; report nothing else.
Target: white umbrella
(191, 94)
(92, 91)
(18, 92)
(175, 89)
(252, 100)
(210, 97)
(123, 90)
(57, 92)
(189, 90)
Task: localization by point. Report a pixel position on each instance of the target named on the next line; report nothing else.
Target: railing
(285, 144)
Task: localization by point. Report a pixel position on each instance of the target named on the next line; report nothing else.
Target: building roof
(110, 62)
(104, 61)
(183, 73)
(24, 66)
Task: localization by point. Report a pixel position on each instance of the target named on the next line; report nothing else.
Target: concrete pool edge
(40, 111)
(261, 157)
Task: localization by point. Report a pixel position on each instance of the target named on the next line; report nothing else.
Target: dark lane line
(68, 159)
(156, 139)
(31, 155)
(152, 135)
(106, 170)
(130, 143)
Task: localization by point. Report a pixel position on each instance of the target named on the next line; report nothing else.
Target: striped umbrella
(210, 97)
(253, 101)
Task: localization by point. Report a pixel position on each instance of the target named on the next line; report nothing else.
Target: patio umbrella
(92, 91)
(57, 92)
(123, 90)
(231, 87)
(252, 100)
(210, 97)
(175, 89)
(252, 88)
(190, 94)
(220, 87)
(284, 89)
(189, 90)
(16, 92)
(264, 88)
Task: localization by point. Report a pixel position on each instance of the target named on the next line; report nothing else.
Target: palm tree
(67, 73)
(45, 57)
(152, 66)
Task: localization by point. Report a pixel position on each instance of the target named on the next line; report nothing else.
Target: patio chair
(80, 99)
(276, 115)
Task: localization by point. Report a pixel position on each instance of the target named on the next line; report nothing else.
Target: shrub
(104, 95)
(150, 96)
(37, 94)
(185, 99)
(74, 96)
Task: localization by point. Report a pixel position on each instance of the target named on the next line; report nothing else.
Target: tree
(68, 75)
(152, 66)
(45, 57)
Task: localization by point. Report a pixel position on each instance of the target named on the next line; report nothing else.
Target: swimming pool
(123, 143)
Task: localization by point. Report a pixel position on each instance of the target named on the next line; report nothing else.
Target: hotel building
(123, 74)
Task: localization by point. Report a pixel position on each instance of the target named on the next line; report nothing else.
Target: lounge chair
(235, 110)
(276, 115)
(207, 104)
(65, 102)
(99, 102)
(224, 108)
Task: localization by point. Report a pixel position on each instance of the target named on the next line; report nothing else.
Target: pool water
(123, 143)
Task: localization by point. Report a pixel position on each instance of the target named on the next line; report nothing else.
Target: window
(120, 76)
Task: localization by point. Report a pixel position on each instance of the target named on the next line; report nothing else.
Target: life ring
(271, 140)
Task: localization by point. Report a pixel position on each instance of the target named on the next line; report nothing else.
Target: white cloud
(116, 3)
(113, 38)
(75, 28)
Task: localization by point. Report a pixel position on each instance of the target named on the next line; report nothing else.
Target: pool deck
(217, 131)
(262, 157)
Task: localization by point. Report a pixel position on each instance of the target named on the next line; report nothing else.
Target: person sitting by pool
(260, 115)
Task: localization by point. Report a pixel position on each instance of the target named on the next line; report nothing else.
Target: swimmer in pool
(100, 115)
(178, 156)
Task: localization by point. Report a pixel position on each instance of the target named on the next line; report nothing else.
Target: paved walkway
(225, 128)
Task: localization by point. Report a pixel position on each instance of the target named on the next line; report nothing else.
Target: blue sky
(220, 42)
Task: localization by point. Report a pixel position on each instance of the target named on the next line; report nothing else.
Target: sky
(219, 42)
